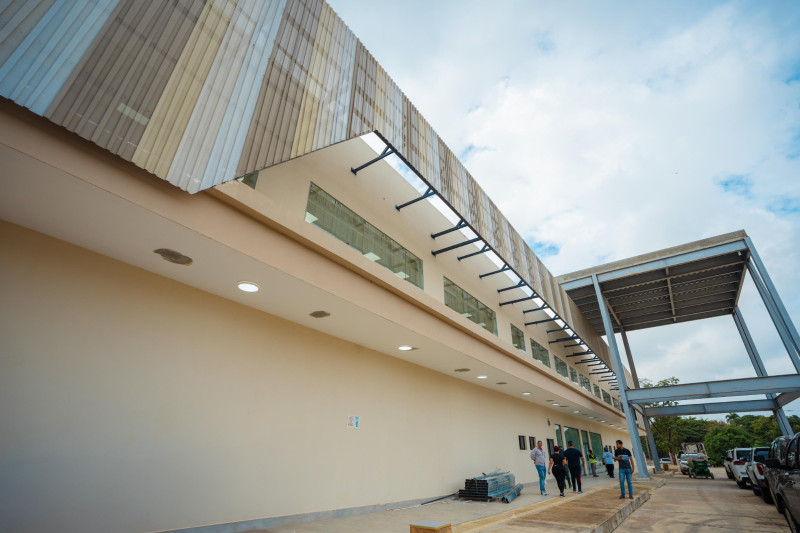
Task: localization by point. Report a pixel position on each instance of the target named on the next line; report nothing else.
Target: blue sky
(606, 130)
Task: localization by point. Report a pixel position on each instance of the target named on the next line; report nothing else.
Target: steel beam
(786, 398)
(730, 387)
(564, 339)
(774, 313)
(656, 265)
(758, 365)
(711, 408)
(541, 321)
(542, 308)
(492, 273)
(518, 285)
(479, 252)
(427, 194)
(616, 362)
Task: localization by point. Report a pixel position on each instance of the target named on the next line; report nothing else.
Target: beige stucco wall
(117, 418)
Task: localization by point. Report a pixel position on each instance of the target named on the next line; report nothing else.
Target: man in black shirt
(574, 459)
(625, 459)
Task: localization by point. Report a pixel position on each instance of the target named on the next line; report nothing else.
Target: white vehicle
(755, 472)
(739, 458)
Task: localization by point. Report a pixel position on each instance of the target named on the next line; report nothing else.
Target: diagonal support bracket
(504, 269)
(564, 339)
(427, 194)
(386, 152)
(511, 288)
(479, 252)
(461, 225)
(453, 247)
(542, 308)
(531, 297)
(541, 321)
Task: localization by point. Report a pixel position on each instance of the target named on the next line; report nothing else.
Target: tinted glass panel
(517, 338)
(585, 383)
(470, 307)
(540, 353)
(743, 455)
(561, 367)
(607, 397)
(328, 213)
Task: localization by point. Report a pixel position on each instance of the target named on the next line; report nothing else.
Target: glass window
(573, 374)
(470, 307)
(559, 438)
(617, 405)
(597, 444)
(325, 212)
(597, 391)
(572, 435)
(517, 338)
(540, 353)
(561, 367)
(607, 397)
(585, 383)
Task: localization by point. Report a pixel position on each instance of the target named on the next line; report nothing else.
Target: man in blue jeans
(540, 460)
(625, 459)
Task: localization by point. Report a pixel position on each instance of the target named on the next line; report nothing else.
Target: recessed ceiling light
(501, 383)
(173, 257)
(461, 370)
(591, 417)
(526, 393)
(482, 377)
(602, 421)
(405, 348)
(576, 412)
(555, 403)
(248, 286)
(319, 314)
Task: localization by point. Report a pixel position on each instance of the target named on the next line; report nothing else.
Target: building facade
(153, 157)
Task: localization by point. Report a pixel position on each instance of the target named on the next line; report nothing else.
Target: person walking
(539, 458)
(592, 463)
(574, 459)
(608, 460)
(558, 468)
(625, 459)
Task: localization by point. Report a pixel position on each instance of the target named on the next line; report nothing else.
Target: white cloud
(610, 130)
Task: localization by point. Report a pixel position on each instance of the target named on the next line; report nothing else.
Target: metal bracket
(461, 225)
(479, 252)
(386, 152)
(517, 286)
(559, 329)
(504, 269)
(430, 192)
(531, 297)
(565, 339)
(453, 247)
(541, 321)
(542, 308)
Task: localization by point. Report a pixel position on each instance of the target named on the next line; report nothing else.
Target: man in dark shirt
(625, 459)
(574, 459)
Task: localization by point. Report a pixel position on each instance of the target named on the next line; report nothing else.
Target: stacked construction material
(488, 486)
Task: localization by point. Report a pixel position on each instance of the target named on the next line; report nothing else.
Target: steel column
(651, 441)
(773, 293)
(758, 364)
(774, 314)
(633, 429)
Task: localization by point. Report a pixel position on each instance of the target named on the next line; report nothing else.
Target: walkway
(687, 505)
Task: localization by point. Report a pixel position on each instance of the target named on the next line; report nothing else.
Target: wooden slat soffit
(199, 93)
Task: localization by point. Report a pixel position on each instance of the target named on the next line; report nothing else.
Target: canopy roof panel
(701, 279)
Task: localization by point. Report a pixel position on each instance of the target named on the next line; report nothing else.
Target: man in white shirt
(539, 458)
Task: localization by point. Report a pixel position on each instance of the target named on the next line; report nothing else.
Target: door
(597, 444)
(550, 445)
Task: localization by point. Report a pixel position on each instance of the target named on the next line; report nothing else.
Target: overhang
(701, 279)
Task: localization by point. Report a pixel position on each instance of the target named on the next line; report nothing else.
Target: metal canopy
(698, 280)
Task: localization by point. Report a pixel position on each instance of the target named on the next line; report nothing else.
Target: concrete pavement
(687, 505)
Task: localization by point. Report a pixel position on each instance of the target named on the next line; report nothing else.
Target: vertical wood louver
(201, 92)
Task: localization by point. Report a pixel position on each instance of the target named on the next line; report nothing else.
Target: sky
(605, 130)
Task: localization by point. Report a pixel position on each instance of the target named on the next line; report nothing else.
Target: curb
(612, 522)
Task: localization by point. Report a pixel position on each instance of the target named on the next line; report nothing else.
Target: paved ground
(452, 511)
(687, 505)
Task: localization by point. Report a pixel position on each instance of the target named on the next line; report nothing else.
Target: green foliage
(722, 438)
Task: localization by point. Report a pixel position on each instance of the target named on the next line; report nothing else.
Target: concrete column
(758, 365)
(633, 430)
(651, 441)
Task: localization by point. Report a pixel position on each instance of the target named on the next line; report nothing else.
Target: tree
(724, 437)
